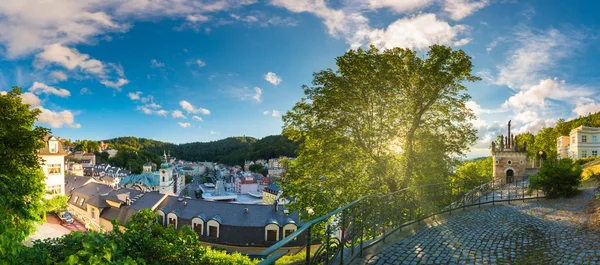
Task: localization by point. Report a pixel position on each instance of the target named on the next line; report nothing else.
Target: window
(594, 153)
(53, 189)
(497, 162)
(584, 154)
(584, 139)
(594, 140)
(213, 231)
(81, 202)
(509, 162)
(271, 235)
(93, 214)
(172, 221)
(76, 197)
(288, 232)
(198, 228)
(53, 168)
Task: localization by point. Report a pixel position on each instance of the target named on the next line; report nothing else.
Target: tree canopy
(21, 177)
(381, 121)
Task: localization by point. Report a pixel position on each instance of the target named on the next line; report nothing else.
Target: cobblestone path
(544, 232)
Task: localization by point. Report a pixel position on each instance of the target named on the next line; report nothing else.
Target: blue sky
(183, 71)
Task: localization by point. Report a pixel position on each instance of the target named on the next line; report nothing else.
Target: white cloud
(84, 91)
(31, 99)
(57, 119)
(460, 9)
(200, 63)
(585, 106)
(273, 78)
(197, 118)
(548, 88)
(536, 125)
(59, 75)
(134, 95)
(493, 44)
(29, 25)
(400, 6)
(3, 93)
(526, 116)
(213, 132)
(184, 124)
(116, 85)
(177, 114)
(533, 55)
(153, 105)
(156, 64)
(477, 109)
(274, 113)
(69, 58)
(41, 88)
(418, 32)
(257, 94)
(147, 109)
(162, 112)
(189, 108)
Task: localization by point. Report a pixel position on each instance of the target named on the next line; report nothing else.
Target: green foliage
(297, 258)
(380, 122)
(21, 178)
(231, 151)
(87, 146)
(188, 179)
(133, 160)
(258, 168)
(101, 158)
(475, 171)
(143, 241)
(558, 178)
(55, 204)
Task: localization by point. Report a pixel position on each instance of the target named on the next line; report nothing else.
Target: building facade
(582, 142)
(52, 161)
(509, 158)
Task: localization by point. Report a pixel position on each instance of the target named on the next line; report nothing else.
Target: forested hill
(545, 139)
(231, 151)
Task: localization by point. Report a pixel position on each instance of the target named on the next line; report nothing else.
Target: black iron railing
(342, 235)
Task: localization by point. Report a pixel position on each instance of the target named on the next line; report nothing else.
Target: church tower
(509, 159)
(166, 176)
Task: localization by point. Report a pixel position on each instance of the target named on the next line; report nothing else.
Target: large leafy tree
(381, 121)
(21, 178)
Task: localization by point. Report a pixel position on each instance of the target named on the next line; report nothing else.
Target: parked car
(65, 218)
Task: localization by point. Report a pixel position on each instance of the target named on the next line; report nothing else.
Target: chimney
(185, 203)
(245, 210)
(275, 206)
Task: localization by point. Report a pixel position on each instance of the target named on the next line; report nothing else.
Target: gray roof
(74, 182)
(232, 214)
(88, 192)
(123, 213)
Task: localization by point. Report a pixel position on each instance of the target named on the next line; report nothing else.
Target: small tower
(509, 159)
(166, 178)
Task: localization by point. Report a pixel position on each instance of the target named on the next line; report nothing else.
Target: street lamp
(541, 158)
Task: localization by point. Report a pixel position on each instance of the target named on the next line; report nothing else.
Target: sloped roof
(74, 182)
(232, 214)
(146, 179)
(46, 149)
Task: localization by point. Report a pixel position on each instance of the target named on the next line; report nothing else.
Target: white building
(52, 158)
(582, 142)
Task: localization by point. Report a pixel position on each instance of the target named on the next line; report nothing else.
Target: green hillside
(231, 151)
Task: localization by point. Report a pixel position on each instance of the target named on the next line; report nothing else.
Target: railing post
(465, 195)
(451, 197)
(308, 240)
(342, 239)
(493, 192)
(523, 188)
(362, 227)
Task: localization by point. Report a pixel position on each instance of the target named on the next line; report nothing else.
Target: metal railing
(343, 234)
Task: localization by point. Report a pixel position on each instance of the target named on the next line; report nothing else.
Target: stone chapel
(509, 158)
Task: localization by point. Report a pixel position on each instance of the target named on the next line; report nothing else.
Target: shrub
(558, 178)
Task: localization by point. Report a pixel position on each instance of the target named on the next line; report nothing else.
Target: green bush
(558, 178)
(143, 241)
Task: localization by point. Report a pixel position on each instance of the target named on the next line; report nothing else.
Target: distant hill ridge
(231, 150)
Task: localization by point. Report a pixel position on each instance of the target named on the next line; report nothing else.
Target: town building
(168, 180)
(509, 158)
(231, 224)
(581, 142)
(270, 194)
(75, 169)
(245, 184)
(52, 161)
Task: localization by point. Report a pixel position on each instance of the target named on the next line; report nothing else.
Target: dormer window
(53, 146)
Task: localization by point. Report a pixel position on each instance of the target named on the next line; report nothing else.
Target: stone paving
(544, 232)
